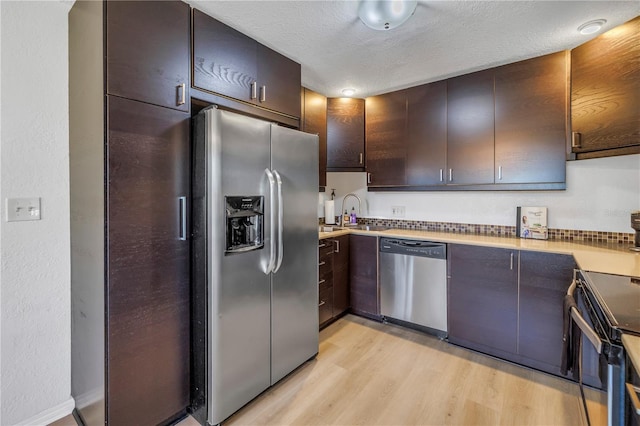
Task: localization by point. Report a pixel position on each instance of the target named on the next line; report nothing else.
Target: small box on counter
(532, 223)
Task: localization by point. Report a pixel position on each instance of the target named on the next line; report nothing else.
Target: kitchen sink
(329, 228)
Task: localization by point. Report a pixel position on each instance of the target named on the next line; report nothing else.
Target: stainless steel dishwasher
(413, 283)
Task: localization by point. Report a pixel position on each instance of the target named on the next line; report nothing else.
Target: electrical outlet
(19, 209)
(397, 211)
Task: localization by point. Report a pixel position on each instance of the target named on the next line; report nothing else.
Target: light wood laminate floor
(368, 373)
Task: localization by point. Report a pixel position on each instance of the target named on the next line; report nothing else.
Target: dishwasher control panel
(413, 248)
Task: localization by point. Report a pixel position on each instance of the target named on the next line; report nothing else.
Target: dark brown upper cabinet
(386, 138)
(345, 134)
(231, 64)
(314, 120)
(470, 135)
(147, 52)
(605, 93)
(531, 111)
(427, 134)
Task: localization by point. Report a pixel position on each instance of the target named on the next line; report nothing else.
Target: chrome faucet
(351, 194)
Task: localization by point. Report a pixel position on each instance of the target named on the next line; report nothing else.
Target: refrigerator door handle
(280, 221)
(272, 222)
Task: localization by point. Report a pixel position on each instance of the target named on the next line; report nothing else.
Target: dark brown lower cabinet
(325, 280)
(483, 298)
(147, 287)
(509, 304)
(363, 275)
(341, 299)
(333, 278)
(544, 281)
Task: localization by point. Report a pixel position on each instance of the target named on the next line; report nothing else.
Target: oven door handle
(583, 325)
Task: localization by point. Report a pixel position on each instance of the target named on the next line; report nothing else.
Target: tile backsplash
(498, 230)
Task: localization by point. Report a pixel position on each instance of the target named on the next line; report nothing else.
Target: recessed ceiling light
(591, 26)
(348, 92)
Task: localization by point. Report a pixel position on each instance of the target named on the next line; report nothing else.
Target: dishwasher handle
(413, 248)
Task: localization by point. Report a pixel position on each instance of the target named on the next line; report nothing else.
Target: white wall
(35, 270)
(601, 193)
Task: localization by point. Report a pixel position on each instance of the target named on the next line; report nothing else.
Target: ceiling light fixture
(348, 92)
(386, 14)
(591, 26)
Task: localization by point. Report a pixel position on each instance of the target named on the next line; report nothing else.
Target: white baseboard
(50, 415)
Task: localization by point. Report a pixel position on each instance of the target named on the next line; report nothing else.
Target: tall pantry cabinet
(129, 184)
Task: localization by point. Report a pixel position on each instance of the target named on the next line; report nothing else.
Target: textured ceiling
(442, 39)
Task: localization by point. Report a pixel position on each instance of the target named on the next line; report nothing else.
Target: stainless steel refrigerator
(255, 257)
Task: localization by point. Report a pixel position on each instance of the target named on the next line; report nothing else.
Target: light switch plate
(19, 209)
(397, 211)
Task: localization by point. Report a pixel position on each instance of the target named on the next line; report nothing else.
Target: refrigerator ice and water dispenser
(244, 223)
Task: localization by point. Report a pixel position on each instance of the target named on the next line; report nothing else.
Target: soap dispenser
(352, 219)
(346, 218)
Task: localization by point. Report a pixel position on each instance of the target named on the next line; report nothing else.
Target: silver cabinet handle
(361, 158)
(322, 245)
(254, 90)
(272, 221)
(450, 175)
(321, 281)
(182, 94)
(633, 396)
(280, 222)
(511, 262)
(576, 140)
(499, 172)
(322, 263)
(182, 206)
(321, 303)
(263, 93)
(441, 175)
(337, 243)
(368, 177)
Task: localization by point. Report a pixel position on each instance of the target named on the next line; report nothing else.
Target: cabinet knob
(182, 94)
(254, 90)
(263, 93)
(576, 140)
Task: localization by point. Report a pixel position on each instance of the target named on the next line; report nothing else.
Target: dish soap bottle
(346, 218)
(352, 219)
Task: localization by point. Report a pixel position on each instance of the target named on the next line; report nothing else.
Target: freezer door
(294, 285)
(239, 286)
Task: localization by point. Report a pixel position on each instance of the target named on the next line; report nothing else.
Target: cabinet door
(531, 116)
(224, 60)
(314, 120)
(544, 280)
(325, 280)
(341, 297)
(147, 51)
(363, 275)
(345, 134)
(279, 82)
(427, 134)
(483, 298)
(386, 138)
(605, 89)
(470, 121)
(148, 263)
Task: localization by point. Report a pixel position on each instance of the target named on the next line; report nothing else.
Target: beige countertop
(608, 259)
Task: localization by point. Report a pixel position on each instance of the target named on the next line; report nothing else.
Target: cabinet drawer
(325, 303)
(325, 249)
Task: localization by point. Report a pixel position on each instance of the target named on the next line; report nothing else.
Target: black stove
(612, 305)
(619, 299)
